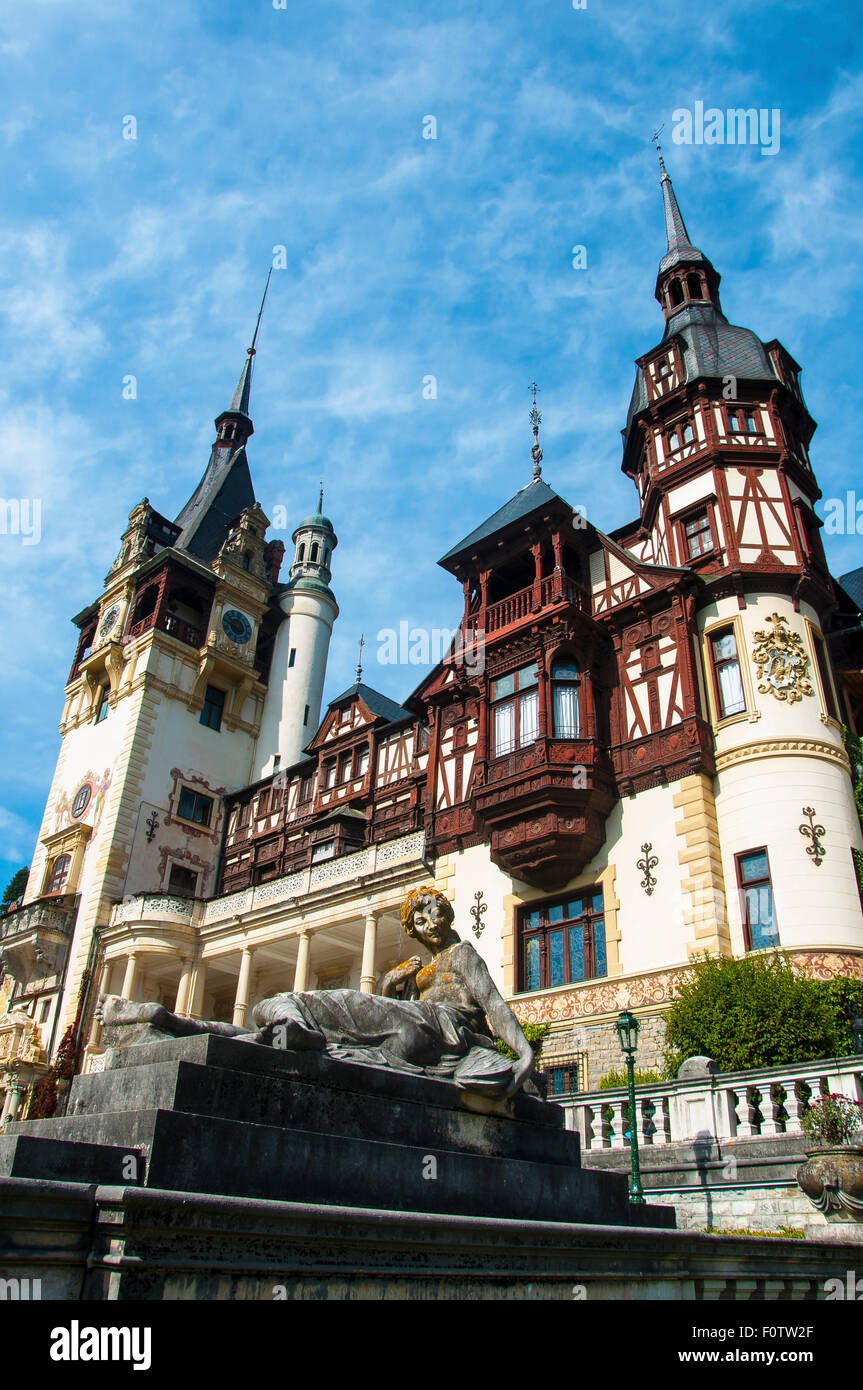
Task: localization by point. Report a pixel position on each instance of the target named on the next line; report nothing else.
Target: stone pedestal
(226, 1117)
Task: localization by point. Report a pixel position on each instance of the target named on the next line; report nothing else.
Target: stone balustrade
(34, 916)
(756, 1104)
(346, 868)
(154, 907)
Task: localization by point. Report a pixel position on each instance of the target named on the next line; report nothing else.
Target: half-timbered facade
(631, 753)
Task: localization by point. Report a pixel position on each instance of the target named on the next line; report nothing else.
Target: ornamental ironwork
(781, 662)
(646, 864)
(476, 913)
(813, 832)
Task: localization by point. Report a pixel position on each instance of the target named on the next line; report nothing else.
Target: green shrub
(536, 1033)
(754, 1012)
(613, 1079)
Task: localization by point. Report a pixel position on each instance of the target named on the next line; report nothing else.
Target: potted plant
(832, 1176)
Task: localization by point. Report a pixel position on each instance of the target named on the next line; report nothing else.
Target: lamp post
(627, 1032)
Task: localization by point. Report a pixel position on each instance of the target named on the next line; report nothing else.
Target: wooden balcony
(526, 603)
(175, 627)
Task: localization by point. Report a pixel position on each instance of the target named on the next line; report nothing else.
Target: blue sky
(303, 127)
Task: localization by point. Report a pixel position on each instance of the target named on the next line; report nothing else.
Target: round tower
(293, 704)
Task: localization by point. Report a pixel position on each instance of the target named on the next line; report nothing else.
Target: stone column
(301, 974)
(244, 980)
(128, 990)
(368, 975)
(196, 989)
(182, 1000)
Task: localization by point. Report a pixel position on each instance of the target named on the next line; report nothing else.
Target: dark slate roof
(530, 499)
(852, 583)
(375, 701)
(223, 492)
(712, 347)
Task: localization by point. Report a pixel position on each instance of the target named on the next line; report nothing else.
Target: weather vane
(536, 421)
(360, 658)
(655, 137)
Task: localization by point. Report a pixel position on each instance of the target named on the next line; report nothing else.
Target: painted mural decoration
(781, 662)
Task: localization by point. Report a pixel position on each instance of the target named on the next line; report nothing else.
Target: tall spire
(241, 397)
(226, 487)
(536, 421)
(679, 247)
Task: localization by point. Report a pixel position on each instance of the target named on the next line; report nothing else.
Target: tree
(16, 885)
(754, 1012)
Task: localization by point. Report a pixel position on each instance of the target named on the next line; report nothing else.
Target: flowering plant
(833, 1120)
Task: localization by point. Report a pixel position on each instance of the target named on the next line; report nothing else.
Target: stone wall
(601, 1045)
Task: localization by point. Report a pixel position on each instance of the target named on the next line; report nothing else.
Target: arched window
(313, 556)
(301, 552)
(564, 697)
(326, 557)
(675, 292)
(247, 559)
(693, 284)
(59, 873)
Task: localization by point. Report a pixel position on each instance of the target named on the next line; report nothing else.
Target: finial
(321, 498)
(360, 659)
(260, 312)
(535, 420)
(655, 138)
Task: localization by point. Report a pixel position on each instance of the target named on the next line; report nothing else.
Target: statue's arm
(501, 1019)
(399, 975)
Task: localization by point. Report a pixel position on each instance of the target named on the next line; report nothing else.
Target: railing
(408, 849)
(552, 589)
(148, 907)
(175, 627)
(32, 917)
(728, 1105)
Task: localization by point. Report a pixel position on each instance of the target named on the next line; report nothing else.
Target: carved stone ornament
(781, 662)
(833, 1180)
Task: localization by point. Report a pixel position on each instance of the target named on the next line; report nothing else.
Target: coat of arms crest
(781, 662)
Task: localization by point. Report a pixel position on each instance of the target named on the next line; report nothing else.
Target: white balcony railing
(728, 1105)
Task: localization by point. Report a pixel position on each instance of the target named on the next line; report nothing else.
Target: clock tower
(162, 717)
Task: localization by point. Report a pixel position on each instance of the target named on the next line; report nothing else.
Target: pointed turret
(687, 285)
(226, 488)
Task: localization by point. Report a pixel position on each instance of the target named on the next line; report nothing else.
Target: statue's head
(427, 915)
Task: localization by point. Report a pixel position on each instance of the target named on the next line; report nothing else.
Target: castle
(631, 753)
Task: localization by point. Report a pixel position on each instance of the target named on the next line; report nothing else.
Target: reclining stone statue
(444, 1025)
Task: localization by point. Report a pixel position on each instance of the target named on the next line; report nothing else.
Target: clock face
(237, 626)
(109, 618)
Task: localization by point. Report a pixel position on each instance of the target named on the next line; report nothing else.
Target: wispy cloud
(406, 258)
